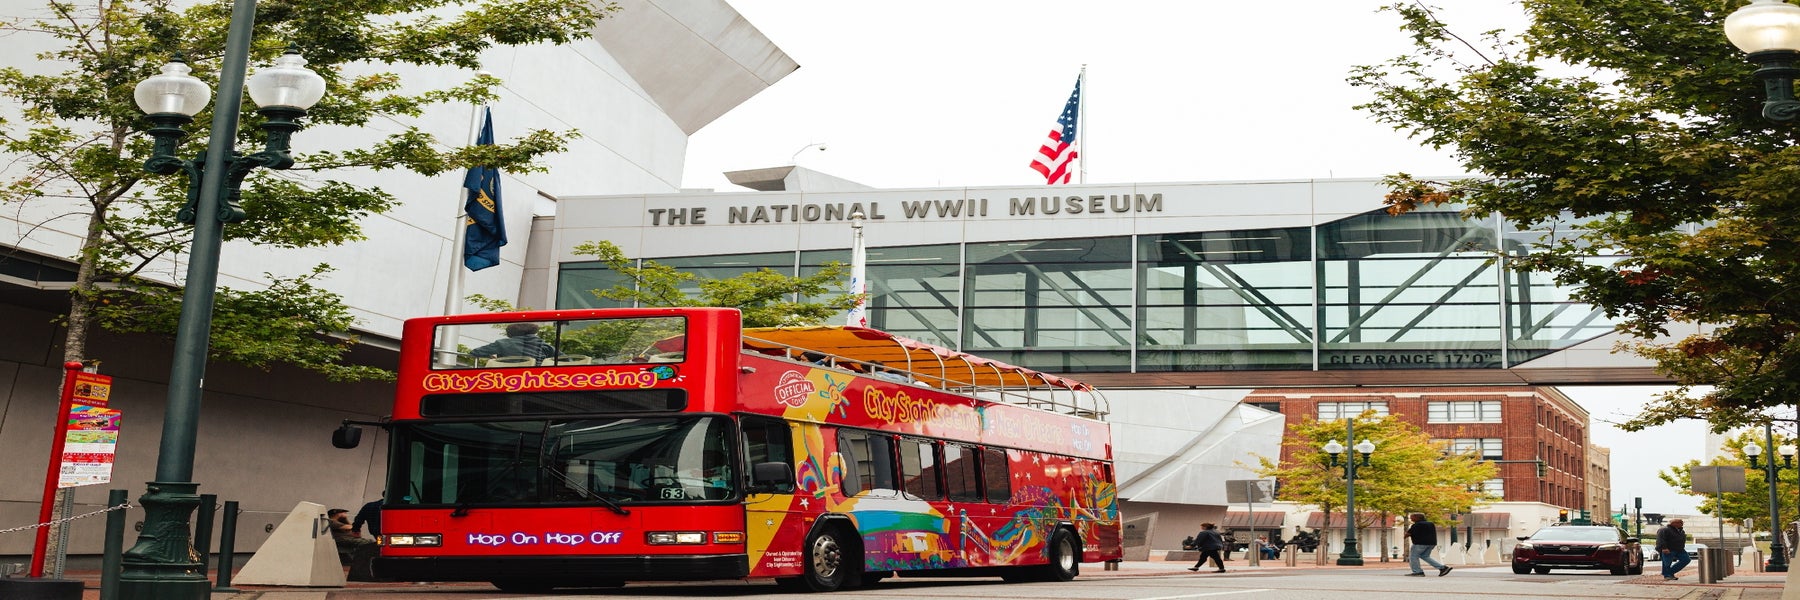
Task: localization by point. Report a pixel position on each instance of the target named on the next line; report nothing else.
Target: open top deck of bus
(881, 354)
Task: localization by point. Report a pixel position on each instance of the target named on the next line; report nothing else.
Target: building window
(1494, 489)
(1485, 448)
(1481, 411)
(1332, 411)
(1268, 406)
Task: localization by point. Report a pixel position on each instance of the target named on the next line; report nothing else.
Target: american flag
(1053, 160)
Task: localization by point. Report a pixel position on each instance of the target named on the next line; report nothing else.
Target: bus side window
(769, 441)
(960, 474)
(868, 461)
(995, 475)
(918, 469)
(847, 451)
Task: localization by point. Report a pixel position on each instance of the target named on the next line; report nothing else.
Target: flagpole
(859, 314)
(453, 297)
(1081, 135)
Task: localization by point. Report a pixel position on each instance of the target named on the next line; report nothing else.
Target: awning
(1237, 519)
(1316, 520)
(934, 365)
(1487, 520)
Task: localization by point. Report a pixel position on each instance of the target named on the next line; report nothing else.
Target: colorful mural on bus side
(1056, 462)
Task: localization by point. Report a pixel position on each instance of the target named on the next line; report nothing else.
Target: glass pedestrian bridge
(1359, 299)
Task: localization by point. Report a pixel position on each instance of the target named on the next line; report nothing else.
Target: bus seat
(511, 361)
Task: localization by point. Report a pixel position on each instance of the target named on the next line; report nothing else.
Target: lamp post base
(162, 565)
(1351, 556)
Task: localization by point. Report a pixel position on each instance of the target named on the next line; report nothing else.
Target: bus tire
(1064, 556)
(827, 561)
(522, 586)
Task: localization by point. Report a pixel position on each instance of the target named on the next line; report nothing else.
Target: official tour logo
(793, 389)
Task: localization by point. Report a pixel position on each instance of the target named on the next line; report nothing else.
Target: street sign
(1717, 479)
(1247, 491)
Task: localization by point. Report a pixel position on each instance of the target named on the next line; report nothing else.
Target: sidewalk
(1738, 586)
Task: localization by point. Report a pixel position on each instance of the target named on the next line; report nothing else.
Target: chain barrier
(68, 519)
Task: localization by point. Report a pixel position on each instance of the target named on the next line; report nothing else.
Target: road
(1164, 583)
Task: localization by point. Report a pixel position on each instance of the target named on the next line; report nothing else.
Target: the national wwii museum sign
(956, 208)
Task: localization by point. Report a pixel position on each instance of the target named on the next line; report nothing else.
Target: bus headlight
(658, 538)
(413, 539)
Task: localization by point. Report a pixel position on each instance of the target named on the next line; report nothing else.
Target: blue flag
(486, 229)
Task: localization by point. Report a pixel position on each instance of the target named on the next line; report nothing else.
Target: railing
(1047, 397)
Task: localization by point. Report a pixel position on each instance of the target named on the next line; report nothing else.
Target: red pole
(54, 472)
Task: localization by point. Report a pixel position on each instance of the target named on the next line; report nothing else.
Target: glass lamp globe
(1786, 450)
(1333, 447)
(173, 92)
(1365, 447)
(1764, 25)
(1751, 449)
(286, 84)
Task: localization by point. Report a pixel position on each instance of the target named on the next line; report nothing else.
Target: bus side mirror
(771, 475)
(346, 436)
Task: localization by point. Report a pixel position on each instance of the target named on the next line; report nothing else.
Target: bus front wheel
(826, 565)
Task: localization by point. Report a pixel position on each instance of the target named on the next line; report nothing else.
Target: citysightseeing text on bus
(547, 379)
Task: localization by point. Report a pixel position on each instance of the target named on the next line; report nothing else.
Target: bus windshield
(605, 461)
(562, 342)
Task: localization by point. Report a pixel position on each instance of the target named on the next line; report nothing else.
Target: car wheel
(1637, 569)
(1541, 570)
(1619, 570)
(1519, 569)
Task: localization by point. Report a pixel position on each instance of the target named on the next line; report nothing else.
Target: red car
(1578, 547)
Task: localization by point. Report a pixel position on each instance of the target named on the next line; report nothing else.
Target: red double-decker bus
(587, 448)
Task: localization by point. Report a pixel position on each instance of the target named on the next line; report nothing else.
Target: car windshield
(1571, 534)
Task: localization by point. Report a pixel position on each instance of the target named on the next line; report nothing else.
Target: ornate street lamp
(162, 564)
(1352, 554)
(1769, 30)
(1777, 550)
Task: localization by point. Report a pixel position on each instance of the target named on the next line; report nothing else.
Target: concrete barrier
(299, 553)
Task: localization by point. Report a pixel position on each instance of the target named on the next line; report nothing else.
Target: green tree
(1753, 502)
(1408, 472)
(1624, 128)
(767, 298)
(80, 141)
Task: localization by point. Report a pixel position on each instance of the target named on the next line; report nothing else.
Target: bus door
(776, 517)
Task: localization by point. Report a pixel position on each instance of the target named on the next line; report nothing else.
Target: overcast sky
(954, 93)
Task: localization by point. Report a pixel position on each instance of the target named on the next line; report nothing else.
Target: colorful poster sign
(91, 389)
(87, 454)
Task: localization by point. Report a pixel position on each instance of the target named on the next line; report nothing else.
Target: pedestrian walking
(1671, 543)
(1424, 539)
(1210, 543)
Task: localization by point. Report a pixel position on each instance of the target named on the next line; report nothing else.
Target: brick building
(1599, 484)
(1509, 423)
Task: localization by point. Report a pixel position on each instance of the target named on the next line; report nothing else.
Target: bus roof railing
(883, 355)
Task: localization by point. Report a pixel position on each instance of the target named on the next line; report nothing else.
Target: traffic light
(1562, 515)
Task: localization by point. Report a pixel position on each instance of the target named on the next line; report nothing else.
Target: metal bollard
(227, 546)
(114, 549)
(203, 525)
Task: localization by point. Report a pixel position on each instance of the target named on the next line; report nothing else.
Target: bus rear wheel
(1065, 558)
